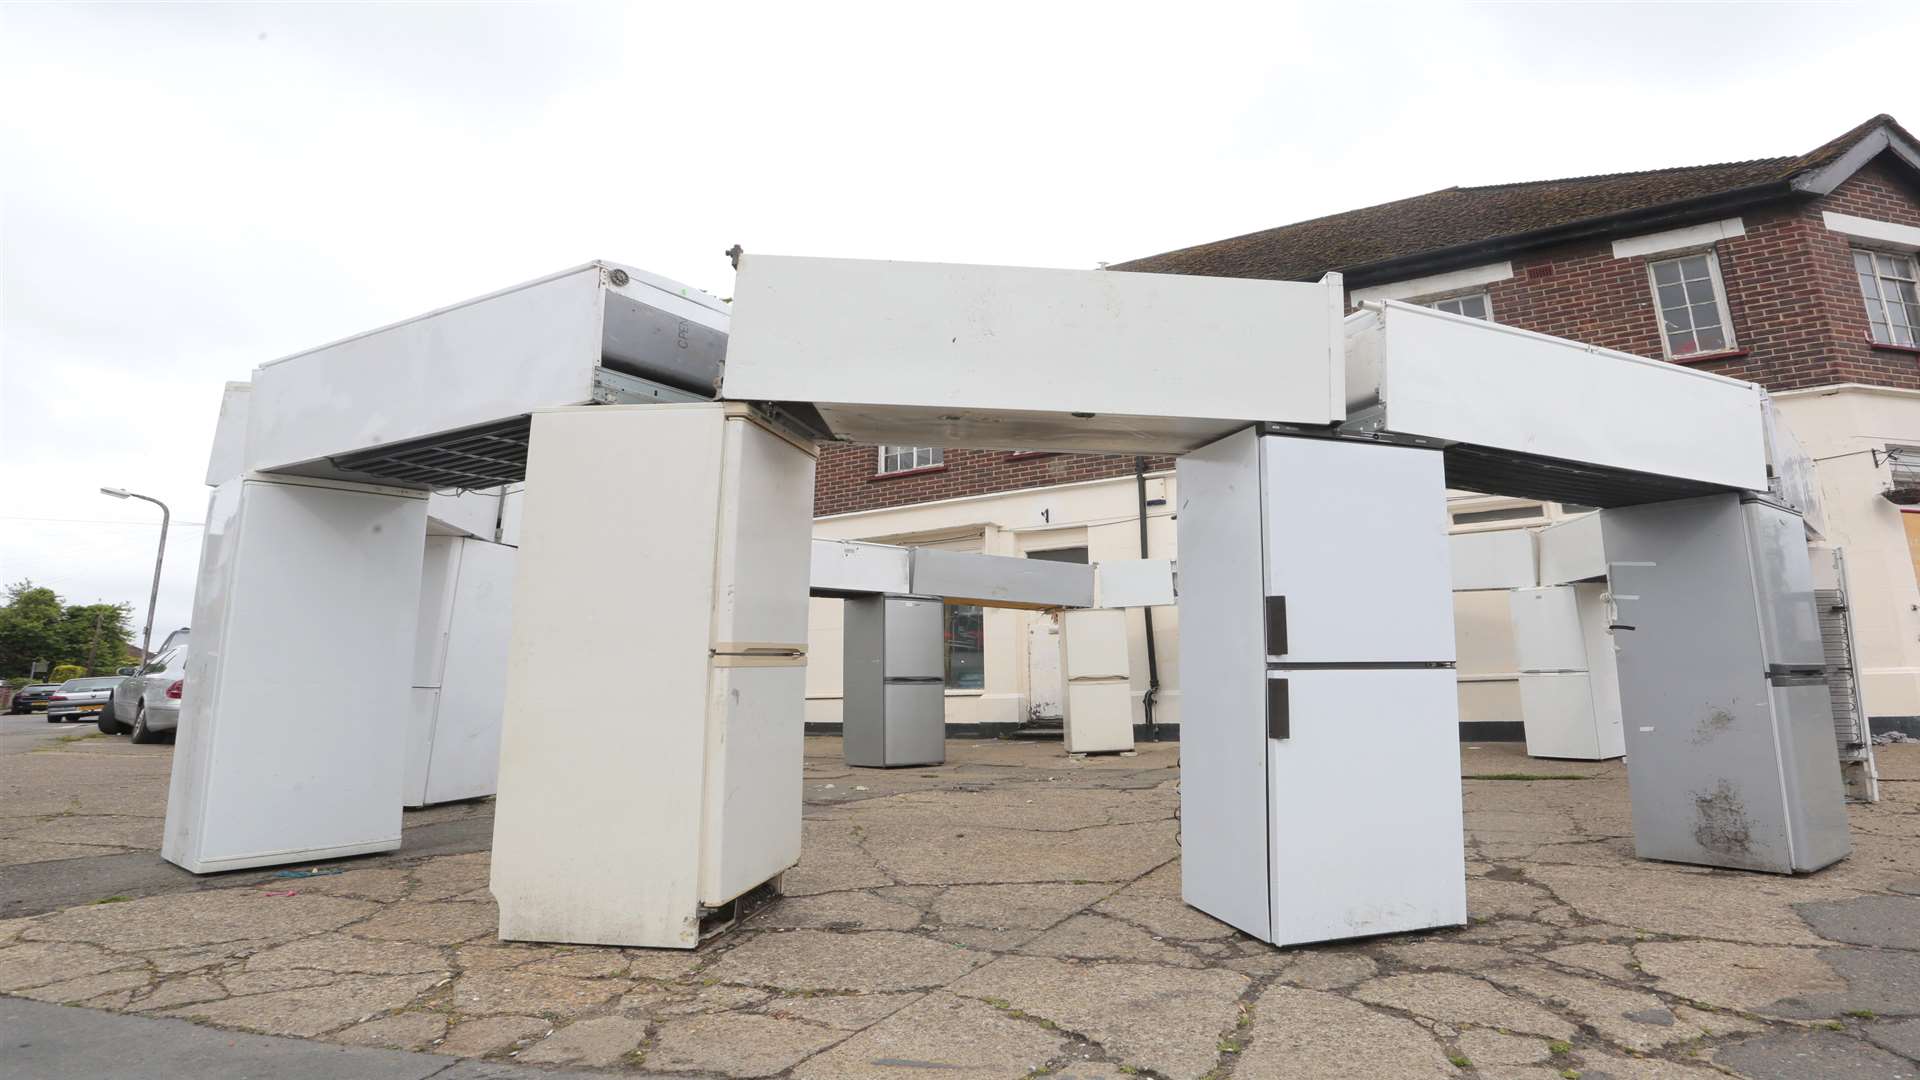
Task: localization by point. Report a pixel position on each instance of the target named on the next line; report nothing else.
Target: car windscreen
(89, 684)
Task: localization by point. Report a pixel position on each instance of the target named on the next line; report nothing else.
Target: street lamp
(153, 598)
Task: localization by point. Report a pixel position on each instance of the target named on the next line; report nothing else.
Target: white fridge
(459, 670)
(1569, 683)
(1097, 703)
(1320, 770)
(661, 807)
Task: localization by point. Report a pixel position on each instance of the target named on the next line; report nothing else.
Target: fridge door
(1093, 644)
(1388, 856)
(1356, 552)
(1099, 716)
(1603, 675)
(915, 639)
(1816, 801)
(916, 723)
(419, 745)
(1546, 630)
(465, 762)
(1557, 710)
(750, 830)
(1783, 574)
(765, 555)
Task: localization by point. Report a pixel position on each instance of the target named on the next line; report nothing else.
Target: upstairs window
(1473, 306)
(1887, 285)
(904, 458)
(1693, 305)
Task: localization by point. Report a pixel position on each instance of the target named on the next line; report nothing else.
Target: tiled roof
(1457, 217)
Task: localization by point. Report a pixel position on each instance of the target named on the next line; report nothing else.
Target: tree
(36, 625)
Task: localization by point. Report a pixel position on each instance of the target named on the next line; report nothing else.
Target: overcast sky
(186, 192)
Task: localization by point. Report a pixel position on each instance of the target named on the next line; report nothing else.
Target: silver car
(81, 699)
(147, 703)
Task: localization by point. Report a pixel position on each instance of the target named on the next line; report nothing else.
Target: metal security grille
(481, 457)
(1852, 733)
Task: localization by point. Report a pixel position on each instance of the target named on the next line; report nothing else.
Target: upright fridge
(1097, 706)
(1320, 782)
(1569, 686)
(1730, 746)
(894, 692)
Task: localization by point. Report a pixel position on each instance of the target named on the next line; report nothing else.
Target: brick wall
(846, 479)
(1797, 316)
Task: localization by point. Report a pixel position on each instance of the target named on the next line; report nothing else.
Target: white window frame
(1731, 344)
(934, 455)
(1486, 301)
(1913, 266)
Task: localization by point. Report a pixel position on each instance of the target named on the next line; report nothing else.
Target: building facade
(1798, 273)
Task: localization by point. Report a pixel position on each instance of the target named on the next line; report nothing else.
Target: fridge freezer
(1098, 706)
(1731, 758)
(646, 819)
(893, 693)
(1317, 632)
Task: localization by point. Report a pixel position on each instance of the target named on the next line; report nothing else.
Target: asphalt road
(20, 734)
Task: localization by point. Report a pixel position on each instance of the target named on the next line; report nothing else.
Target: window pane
(1700, 292)
(1682, 344)
(1711, 339)
(1693, 266)
(1666, 273)
(1862, 263)
(1475, 306)
(1894, 266)
(1672, 296)
(1869, 287)
(966, 657)
(1705, 315)
(1903, 335)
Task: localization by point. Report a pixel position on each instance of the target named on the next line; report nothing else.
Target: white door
(1043, 667)
(1383, 856)
(1547, 634)
(1356, 552)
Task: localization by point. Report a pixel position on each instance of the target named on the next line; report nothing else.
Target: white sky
(186, 192)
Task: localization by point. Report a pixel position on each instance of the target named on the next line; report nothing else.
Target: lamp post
(153, 598)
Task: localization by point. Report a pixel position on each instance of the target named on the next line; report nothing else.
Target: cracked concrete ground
(1015, 913)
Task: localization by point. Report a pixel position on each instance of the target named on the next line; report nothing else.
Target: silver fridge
(1729, 726)
(894, 694)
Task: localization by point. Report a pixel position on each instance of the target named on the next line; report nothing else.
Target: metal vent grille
(1832, 606)
(481, 457)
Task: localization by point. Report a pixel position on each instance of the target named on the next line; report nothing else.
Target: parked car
(148, 702)
(81, 699)
(32, 697)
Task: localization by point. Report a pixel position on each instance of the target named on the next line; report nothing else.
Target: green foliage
(35, 624)
(63, 672)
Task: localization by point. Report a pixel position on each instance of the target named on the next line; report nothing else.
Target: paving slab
(1314, 1035)
(1828, 1055)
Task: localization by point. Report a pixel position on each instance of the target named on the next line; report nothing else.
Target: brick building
(1794, 272)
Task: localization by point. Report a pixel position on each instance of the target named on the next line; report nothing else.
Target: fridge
(459, 670)
(1320, 785)
(894, 690)
(1097, 703)
(1569, 685)
(663, 810)
(1729, 723)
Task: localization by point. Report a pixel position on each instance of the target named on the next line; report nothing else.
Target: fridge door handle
(1279, 718)
(1276, 626)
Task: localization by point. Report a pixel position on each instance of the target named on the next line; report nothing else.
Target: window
(1887, 285)
(1693, 306)
(1066, 554)
(902, 458)
(966, 655)
(1473, 306)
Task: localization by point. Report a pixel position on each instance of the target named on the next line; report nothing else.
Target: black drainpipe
(1153, 660)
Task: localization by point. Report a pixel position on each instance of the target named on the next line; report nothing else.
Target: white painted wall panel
(304, 589)
(980, 345)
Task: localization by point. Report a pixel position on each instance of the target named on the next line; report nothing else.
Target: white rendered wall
(1839, 426)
